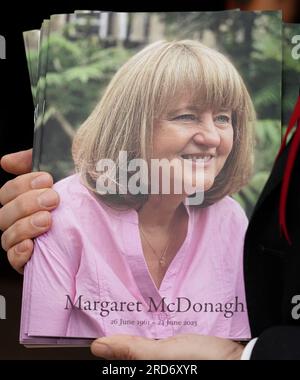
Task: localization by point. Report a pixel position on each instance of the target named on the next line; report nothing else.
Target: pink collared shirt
(88, 276)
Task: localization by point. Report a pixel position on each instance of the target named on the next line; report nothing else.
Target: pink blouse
(88, 276)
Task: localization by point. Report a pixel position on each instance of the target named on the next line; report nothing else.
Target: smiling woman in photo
(151, 264)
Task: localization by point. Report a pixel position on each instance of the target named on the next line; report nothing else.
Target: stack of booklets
(214, 89)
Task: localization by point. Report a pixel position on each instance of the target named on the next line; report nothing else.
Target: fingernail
(21, 247)
(43, 180)
(102, 350)
(48, 198)
(40, 220)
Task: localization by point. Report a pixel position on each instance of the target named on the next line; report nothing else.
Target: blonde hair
(142, 90)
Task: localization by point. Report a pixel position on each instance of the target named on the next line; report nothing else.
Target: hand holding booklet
(160, 130)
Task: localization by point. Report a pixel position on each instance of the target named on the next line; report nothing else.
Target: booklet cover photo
(160, 130)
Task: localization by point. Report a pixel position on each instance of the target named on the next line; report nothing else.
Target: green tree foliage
(78, 71)
(291, 69)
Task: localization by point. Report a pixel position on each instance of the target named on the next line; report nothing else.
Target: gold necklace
(161, 258)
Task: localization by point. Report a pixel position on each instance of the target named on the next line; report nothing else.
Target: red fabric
(295, 119)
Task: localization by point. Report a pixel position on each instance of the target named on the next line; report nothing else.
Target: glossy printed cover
(149, 86)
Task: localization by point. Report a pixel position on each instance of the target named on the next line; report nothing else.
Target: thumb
(17, 163)
(124, 347)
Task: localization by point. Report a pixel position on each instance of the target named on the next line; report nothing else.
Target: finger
(26, 228)
(27, 204)
(180, 347)
(17, 163)
(19, 255)
(125, 347)
(23, 183)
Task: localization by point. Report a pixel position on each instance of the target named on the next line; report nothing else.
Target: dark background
(16, 128)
